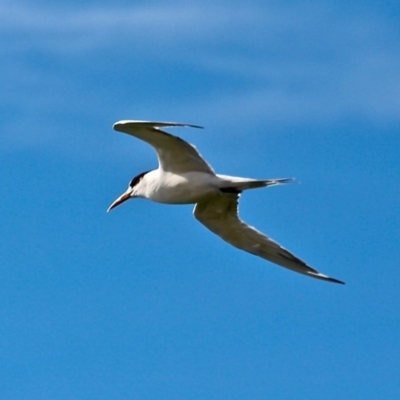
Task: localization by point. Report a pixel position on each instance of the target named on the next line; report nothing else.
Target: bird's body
(190, 187)
(184, 177)
(185, 188)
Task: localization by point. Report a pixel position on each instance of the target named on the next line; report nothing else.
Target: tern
(184, 177)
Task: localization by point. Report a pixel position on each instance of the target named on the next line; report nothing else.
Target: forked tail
(281, 181)
(240, 184)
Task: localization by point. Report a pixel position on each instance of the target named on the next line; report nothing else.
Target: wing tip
(120, 125)
(326, 278)
(336, 281)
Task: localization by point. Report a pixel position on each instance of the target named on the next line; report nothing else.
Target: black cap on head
(137, 179)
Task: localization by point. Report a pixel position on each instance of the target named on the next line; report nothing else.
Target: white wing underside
(174, 154)
(220, 215)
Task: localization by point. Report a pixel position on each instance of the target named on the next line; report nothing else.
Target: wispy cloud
(147, 27)
(273, 62)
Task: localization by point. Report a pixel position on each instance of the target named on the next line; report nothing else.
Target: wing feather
(220, 215)
(174, 154)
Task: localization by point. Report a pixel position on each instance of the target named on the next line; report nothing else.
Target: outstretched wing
(220, 215)
(174, 154)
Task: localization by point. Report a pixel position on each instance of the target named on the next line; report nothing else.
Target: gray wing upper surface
(174, 154)
(220, 215)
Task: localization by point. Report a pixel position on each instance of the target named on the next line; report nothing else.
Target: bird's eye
(132, 182)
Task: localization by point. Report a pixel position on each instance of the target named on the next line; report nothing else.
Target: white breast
(186, 188)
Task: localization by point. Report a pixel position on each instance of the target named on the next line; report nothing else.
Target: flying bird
(184, 177)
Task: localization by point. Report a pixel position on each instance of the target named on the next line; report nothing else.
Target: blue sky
(144, 302)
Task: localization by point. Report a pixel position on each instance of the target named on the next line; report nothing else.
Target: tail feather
(269, 182)
(245, 183)
(281, 181)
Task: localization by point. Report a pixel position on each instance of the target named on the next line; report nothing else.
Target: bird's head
(130, 193)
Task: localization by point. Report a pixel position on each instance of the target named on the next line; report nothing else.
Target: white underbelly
(189, 188)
